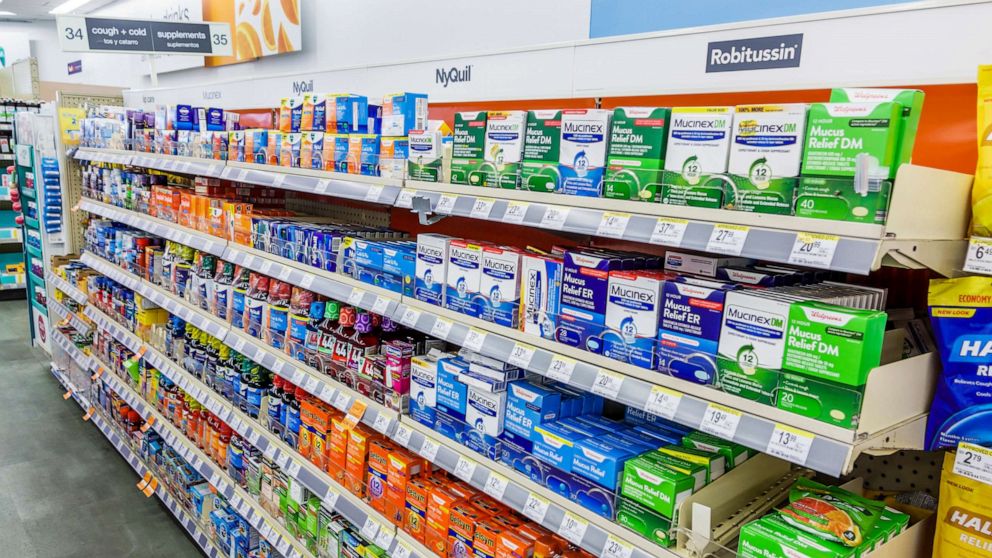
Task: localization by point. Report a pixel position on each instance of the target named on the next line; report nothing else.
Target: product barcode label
(814, 250)
(561, 369)
(380, 305)
(663, 402)
(720, 421)
(410, 317)
(669, 232)
(312, 384)
(355, 297)
(790, 444)
(381, 423)
(341, 400)
(554, 217)
(401, 550)
(727, 239)
(613, 225)
(515, 212)
(369, 529)
(306, 281)
(615, 548)
(384, 538)
(405, 199)
(331, 498)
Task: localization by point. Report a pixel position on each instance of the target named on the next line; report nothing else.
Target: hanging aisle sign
(98, 34)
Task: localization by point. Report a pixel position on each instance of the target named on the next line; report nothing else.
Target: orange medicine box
(379, 451)
(487, 534)
(337, 450)
(549, 546)
(403, 466)
(461, 528)
(355, 483)
(439, 505)
(186, 209)
(376, 489)
(415, 512)
(511, 544)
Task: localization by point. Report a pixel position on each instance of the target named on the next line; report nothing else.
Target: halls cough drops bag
(961, 315)
(981, 192)
(964, 516)
(831, 513)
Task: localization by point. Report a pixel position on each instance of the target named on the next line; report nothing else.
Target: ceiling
(38, 9)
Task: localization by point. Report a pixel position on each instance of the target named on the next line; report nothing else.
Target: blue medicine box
(528, 405)
(452, 394)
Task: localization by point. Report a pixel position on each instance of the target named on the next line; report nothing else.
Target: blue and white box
(632, 307)
(423, 389)
(452, 394)
(691, 318)
(485, 411)
(529, 405)
(431, 269)
(402, 112)
(399, 258)
(555, 445)
(540, 294)
(584, 288)
(582, 155)
(600, 460)
(499, 286)
(464, 275)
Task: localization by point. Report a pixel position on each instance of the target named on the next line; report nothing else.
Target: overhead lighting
(69, 6)
(6, 13)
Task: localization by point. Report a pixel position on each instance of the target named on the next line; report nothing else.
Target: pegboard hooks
(422, 207)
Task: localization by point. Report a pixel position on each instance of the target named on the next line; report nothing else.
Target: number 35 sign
(82, 34)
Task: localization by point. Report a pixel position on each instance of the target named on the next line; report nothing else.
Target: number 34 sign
(83, 34)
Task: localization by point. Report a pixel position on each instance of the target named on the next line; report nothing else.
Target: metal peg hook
(421, 205)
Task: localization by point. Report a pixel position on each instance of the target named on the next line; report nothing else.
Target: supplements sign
(781, 51)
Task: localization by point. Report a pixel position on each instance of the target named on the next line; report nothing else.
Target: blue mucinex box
(600, 460)
(449, 425)
(499, 286)
(452, 394)
(423, 389)
(215, 120)
(584, 288)
(632, 307)
(431, 268)
(529, 405)
(554, 444)
(691, 318)
(464, 274)
(540, 294)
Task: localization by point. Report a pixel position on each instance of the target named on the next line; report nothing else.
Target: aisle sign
(84, 34)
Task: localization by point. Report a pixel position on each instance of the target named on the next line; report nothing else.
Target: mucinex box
(485, 411)
(468, 148)
(752, 343)
(767, 141)
(636, 154)
(584, 288)
(503, 148)
(540, 292)
(463, 276)
(582, 153)
(632, 306)
(693, 264)
(431, 268)
(838, 134)
(698, 141)
(425, 153)
(499, 286)
(423, 389)
(542, 144)
(452, 394)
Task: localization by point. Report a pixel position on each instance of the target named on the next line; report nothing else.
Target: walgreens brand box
(542, 145)
(582, 154)
(691, 318)
(911, 101)
(838, 133)
(468, 148)
(504, 148)
(584, 288)
(529, 405)
(636, 155)
(632, 307)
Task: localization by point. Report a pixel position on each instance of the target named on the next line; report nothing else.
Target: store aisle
(64, 490)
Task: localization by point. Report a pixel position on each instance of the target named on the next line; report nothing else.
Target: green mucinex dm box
(468, 148)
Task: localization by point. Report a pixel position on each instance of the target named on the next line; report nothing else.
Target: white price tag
(284, 273)
(369, 529)
(381, 422)
(441, 328)
(727, 239)
(814, 250)
(521, 355)
(277, 180)
(341, 401)
(373, 193)
(573, 528)
(239, 345)
(561, 369)
(293, 468)
(331, 497)
(380, 305)
(355, 297)
(405, 199)
(669, 231)
(327, 392)
(536, 507)
(515, 212)
(306, 281)
(429, 449)
(720, 421)
(312, 384)
(401, 550)
(663, 402)
(446, 204)
(402, 436)
(410, 317)
(974, 462)
(554, 217)
(482, 208)
(615, 548)
(495, 485)
(265, 530)
(270, 452)
(464, 469)
(323, 185)
(266, 267)
(790, 444)
(253, 437)
(474, 339)
(283, 460)
(607, 384)
(299, 376)
(283, 545)
(979, 258)
(612, 224)
(384, 539)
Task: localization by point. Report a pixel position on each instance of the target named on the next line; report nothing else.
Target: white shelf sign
(720, 421)
(495, 485)
(814, 250)
(429, 449)
(536, 507)
(573, 528)
(381, 422)
(663, 402)
(441, 328)
(373, 193)
(380, 305)
(403, 434)
(401, 550)
(554, 217)
(410, 317)
(974, 462)
(727, 239)
(515, 212)
(561, 369)
(669, 231)
(465, 469)
(446, 204)
(607, 384)
(521, 355)
(979, 258)
(790, 444)
(482, 208)
(613, 225)
(474, 339)
(405, 199)
(615, 548)
(369, 529)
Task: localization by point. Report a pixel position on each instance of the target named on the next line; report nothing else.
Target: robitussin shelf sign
(85, 34)
(760, 53)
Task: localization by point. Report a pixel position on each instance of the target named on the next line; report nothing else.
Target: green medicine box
(734, 454)
(468, 148)
(833, 343)
(636, 155)
(837, 199)
(695, 470)
(837, 133)
(912, 106)
(774, 196)
(702, 190)
(715, 463)
(757, 384)
(542, 144)
(818, 399)
(772, 537)
(645, 522)
(658, 488)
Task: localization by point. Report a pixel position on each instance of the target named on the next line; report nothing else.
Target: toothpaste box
(504, 144)
(582, 153)
(403, 112)
(834, 343)
(499, 286)
(838, 133)
(485, 411)
(542, 145)
(468, 148)
(838, 199)
(691, 318)
(654, 486)
(423, 389)
(528, 405)
(752, 344)
(692, 264)
(912, 106)
(363, 154)
(540, 291)
(393, 154)
(463, 277)
(632, 307)
(636, 154)
(600, 460)
(584, 288)
(555, 445)
(452, 394)
(431, 268)
(425, 155)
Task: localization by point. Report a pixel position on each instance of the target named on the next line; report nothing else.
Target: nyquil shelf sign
(445, 76)
(781, 51)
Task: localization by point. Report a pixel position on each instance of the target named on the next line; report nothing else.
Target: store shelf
(63, 313)
(201, 538)
(372, 189)
(64, 286)
(156, 226)
(84, 361)
(170, 163)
